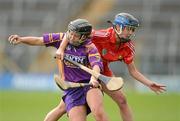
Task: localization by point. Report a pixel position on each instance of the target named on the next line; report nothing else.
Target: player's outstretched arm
(29, 40)
(157, 88)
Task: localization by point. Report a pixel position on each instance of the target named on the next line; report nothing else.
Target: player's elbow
(39, 41)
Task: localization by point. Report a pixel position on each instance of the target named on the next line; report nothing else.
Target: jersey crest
(104, 51)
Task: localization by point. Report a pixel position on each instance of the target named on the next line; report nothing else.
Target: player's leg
(56, 113)
(77, 113)
(117, 96)
(121, 101)
(95, 101)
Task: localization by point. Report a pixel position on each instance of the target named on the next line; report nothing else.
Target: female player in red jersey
(115, 44)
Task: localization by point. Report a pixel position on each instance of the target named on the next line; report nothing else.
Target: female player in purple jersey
(79, 101)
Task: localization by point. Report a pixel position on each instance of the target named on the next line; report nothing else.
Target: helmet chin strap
(123, 40)
(77, 43)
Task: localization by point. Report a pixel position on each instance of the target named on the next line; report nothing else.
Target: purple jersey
(86, 54)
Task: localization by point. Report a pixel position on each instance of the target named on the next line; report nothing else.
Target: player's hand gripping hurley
(112, 83)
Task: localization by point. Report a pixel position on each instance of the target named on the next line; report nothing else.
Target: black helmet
(81, 26)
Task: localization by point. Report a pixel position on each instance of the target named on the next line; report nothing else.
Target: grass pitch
(33, 106)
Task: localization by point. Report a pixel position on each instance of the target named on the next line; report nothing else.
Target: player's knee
(120, 99)
(123, 100)
(61, 109)
(98, 114)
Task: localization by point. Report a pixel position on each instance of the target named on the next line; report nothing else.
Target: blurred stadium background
(26, 72)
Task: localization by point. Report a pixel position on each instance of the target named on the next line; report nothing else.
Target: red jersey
(105, 42)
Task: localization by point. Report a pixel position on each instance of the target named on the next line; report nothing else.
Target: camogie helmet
(80, 26)
(125, 19)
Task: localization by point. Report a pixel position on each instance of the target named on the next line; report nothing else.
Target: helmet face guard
(125, 20)
(81, 27)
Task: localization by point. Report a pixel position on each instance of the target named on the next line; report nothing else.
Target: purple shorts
(76, 97)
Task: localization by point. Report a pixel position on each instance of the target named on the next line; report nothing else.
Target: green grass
(33, 106)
